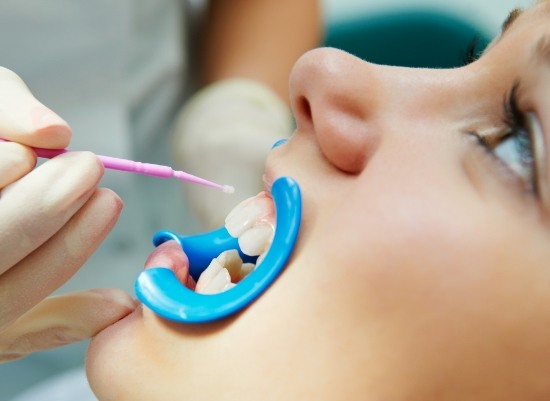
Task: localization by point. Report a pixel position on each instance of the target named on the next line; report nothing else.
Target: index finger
(35, 207)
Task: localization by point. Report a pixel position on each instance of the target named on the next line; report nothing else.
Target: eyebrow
(512, 16)
(542, 48)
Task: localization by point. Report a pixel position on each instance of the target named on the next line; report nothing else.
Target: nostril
(304, 108)
(346, 140)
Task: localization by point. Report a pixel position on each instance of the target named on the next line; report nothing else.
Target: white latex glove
(224, 133)
(51, 220)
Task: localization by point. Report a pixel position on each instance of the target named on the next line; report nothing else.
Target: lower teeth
(223, 273)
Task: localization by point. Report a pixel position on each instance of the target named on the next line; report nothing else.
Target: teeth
(248, 213)
(215, 278)
(256, 240)
(260, 258)
(252, 222)
(223, 272)
(233, 263)
(242, 217)
(246, 269)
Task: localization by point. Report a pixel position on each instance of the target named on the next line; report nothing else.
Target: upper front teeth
(256, 240)
(252, 222)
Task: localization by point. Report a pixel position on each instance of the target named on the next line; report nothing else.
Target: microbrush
(154, 170)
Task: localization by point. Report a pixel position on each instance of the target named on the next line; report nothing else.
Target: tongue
(170, 255)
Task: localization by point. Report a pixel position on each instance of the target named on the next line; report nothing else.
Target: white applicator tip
(228, 189)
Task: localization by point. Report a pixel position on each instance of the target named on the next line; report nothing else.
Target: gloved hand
(51, 220)
(224, 133)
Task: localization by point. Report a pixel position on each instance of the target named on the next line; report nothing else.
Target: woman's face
(422, 269)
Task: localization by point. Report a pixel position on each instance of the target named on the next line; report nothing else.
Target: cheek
(447, 289)
(390, 256)
(399, 260)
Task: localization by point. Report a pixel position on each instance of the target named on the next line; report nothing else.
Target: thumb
(63, 320)
(25, 120)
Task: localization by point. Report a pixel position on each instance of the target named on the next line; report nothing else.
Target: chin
(110, 355)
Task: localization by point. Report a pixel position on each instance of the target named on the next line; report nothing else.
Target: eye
(519, 146)
(515, 149)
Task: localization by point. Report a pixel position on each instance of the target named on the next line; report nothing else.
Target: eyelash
(471, 53)
(517, 128)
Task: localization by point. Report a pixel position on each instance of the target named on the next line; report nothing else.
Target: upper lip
(268, 178)
(267, 183)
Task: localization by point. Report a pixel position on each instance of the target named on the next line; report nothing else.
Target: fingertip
(84, 165)
(111, 199)
(93, 161)
(52, 132)
(124, 302)
(102, 211)
(26, 120)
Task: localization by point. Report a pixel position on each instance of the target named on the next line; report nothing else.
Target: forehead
(522, 34)
(537, 17)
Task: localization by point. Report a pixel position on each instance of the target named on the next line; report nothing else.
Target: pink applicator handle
(154, 170)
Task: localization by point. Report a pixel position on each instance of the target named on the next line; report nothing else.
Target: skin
(421, 270)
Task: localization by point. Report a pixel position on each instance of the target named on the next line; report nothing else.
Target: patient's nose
(350, 105)
(329, 101)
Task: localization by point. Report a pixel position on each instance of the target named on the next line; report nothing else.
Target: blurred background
(418, 33)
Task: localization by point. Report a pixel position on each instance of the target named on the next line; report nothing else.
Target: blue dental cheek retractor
(159, 289)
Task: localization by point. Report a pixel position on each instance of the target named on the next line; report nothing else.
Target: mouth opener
(159, 289)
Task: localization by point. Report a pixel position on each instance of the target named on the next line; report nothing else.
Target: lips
(170, 255)
(252, 222)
